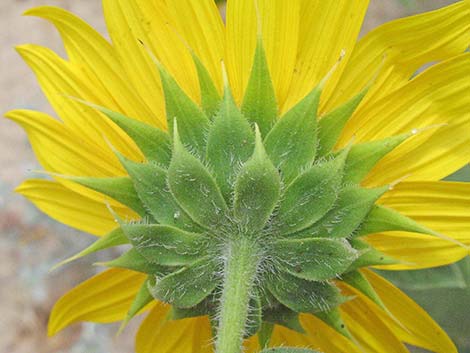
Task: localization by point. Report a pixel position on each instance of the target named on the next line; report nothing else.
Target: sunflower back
(227, 183)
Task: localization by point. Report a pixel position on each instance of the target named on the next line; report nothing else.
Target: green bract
(225, 174)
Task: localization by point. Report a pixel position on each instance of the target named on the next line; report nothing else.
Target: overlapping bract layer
(224, 172)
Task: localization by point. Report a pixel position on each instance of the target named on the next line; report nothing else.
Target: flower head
(306, 161)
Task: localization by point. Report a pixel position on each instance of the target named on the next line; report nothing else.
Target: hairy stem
(240, 271)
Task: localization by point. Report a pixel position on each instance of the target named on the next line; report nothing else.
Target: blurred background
(30, 243)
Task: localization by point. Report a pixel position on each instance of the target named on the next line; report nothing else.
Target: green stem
(240, 271)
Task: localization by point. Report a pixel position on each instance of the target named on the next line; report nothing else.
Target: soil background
(30, 243)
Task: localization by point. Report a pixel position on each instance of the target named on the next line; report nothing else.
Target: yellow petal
(60, 79)
(372, 335)
(398, 48)
(71, 208)
(251, 345)
(61, 150)
(440, 205)
(326, 29)
(280, 27)
(103, 298)
(416, 251)
(284, 337)
(325, 337)
(98, 61)
(437, 96)
(431, 155)
(200, 24)
(418, 327)
(318, 336)
(443, 207)
(158, 334)
(425, 100)
(130, 22)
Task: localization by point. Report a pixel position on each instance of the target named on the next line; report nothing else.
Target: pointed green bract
(333, 318)
(267, 299)
(292, 142)
(304, 296)
(373, 258)
(230, 143)
(332, 124)
(310, 196)
(352, 206)
(153, 142)
(357, 280)
(141, 300)
(259, 103)
(210, 98)
(369, 256)
(192, 121)
(120, 189)
(281, 315)
(188, 286)
(257, 189)
(150, 182)
(363, 157)
(206, 307)
(194, 188)
(114, 238)
(166, 245)
(383, 219)
(265, 333)
(134, 261)
(314, 259)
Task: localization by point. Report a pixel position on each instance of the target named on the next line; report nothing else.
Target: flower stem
(240, 271)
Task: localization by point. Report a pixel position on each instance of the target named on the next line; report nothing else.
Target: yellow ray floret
(397, 49)
(103, 298)
(71, 208)
(415, 325)
(97, 60)
(157, 334)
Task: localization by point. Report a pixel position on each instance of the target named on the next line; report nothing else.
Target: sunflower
(256, 169)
